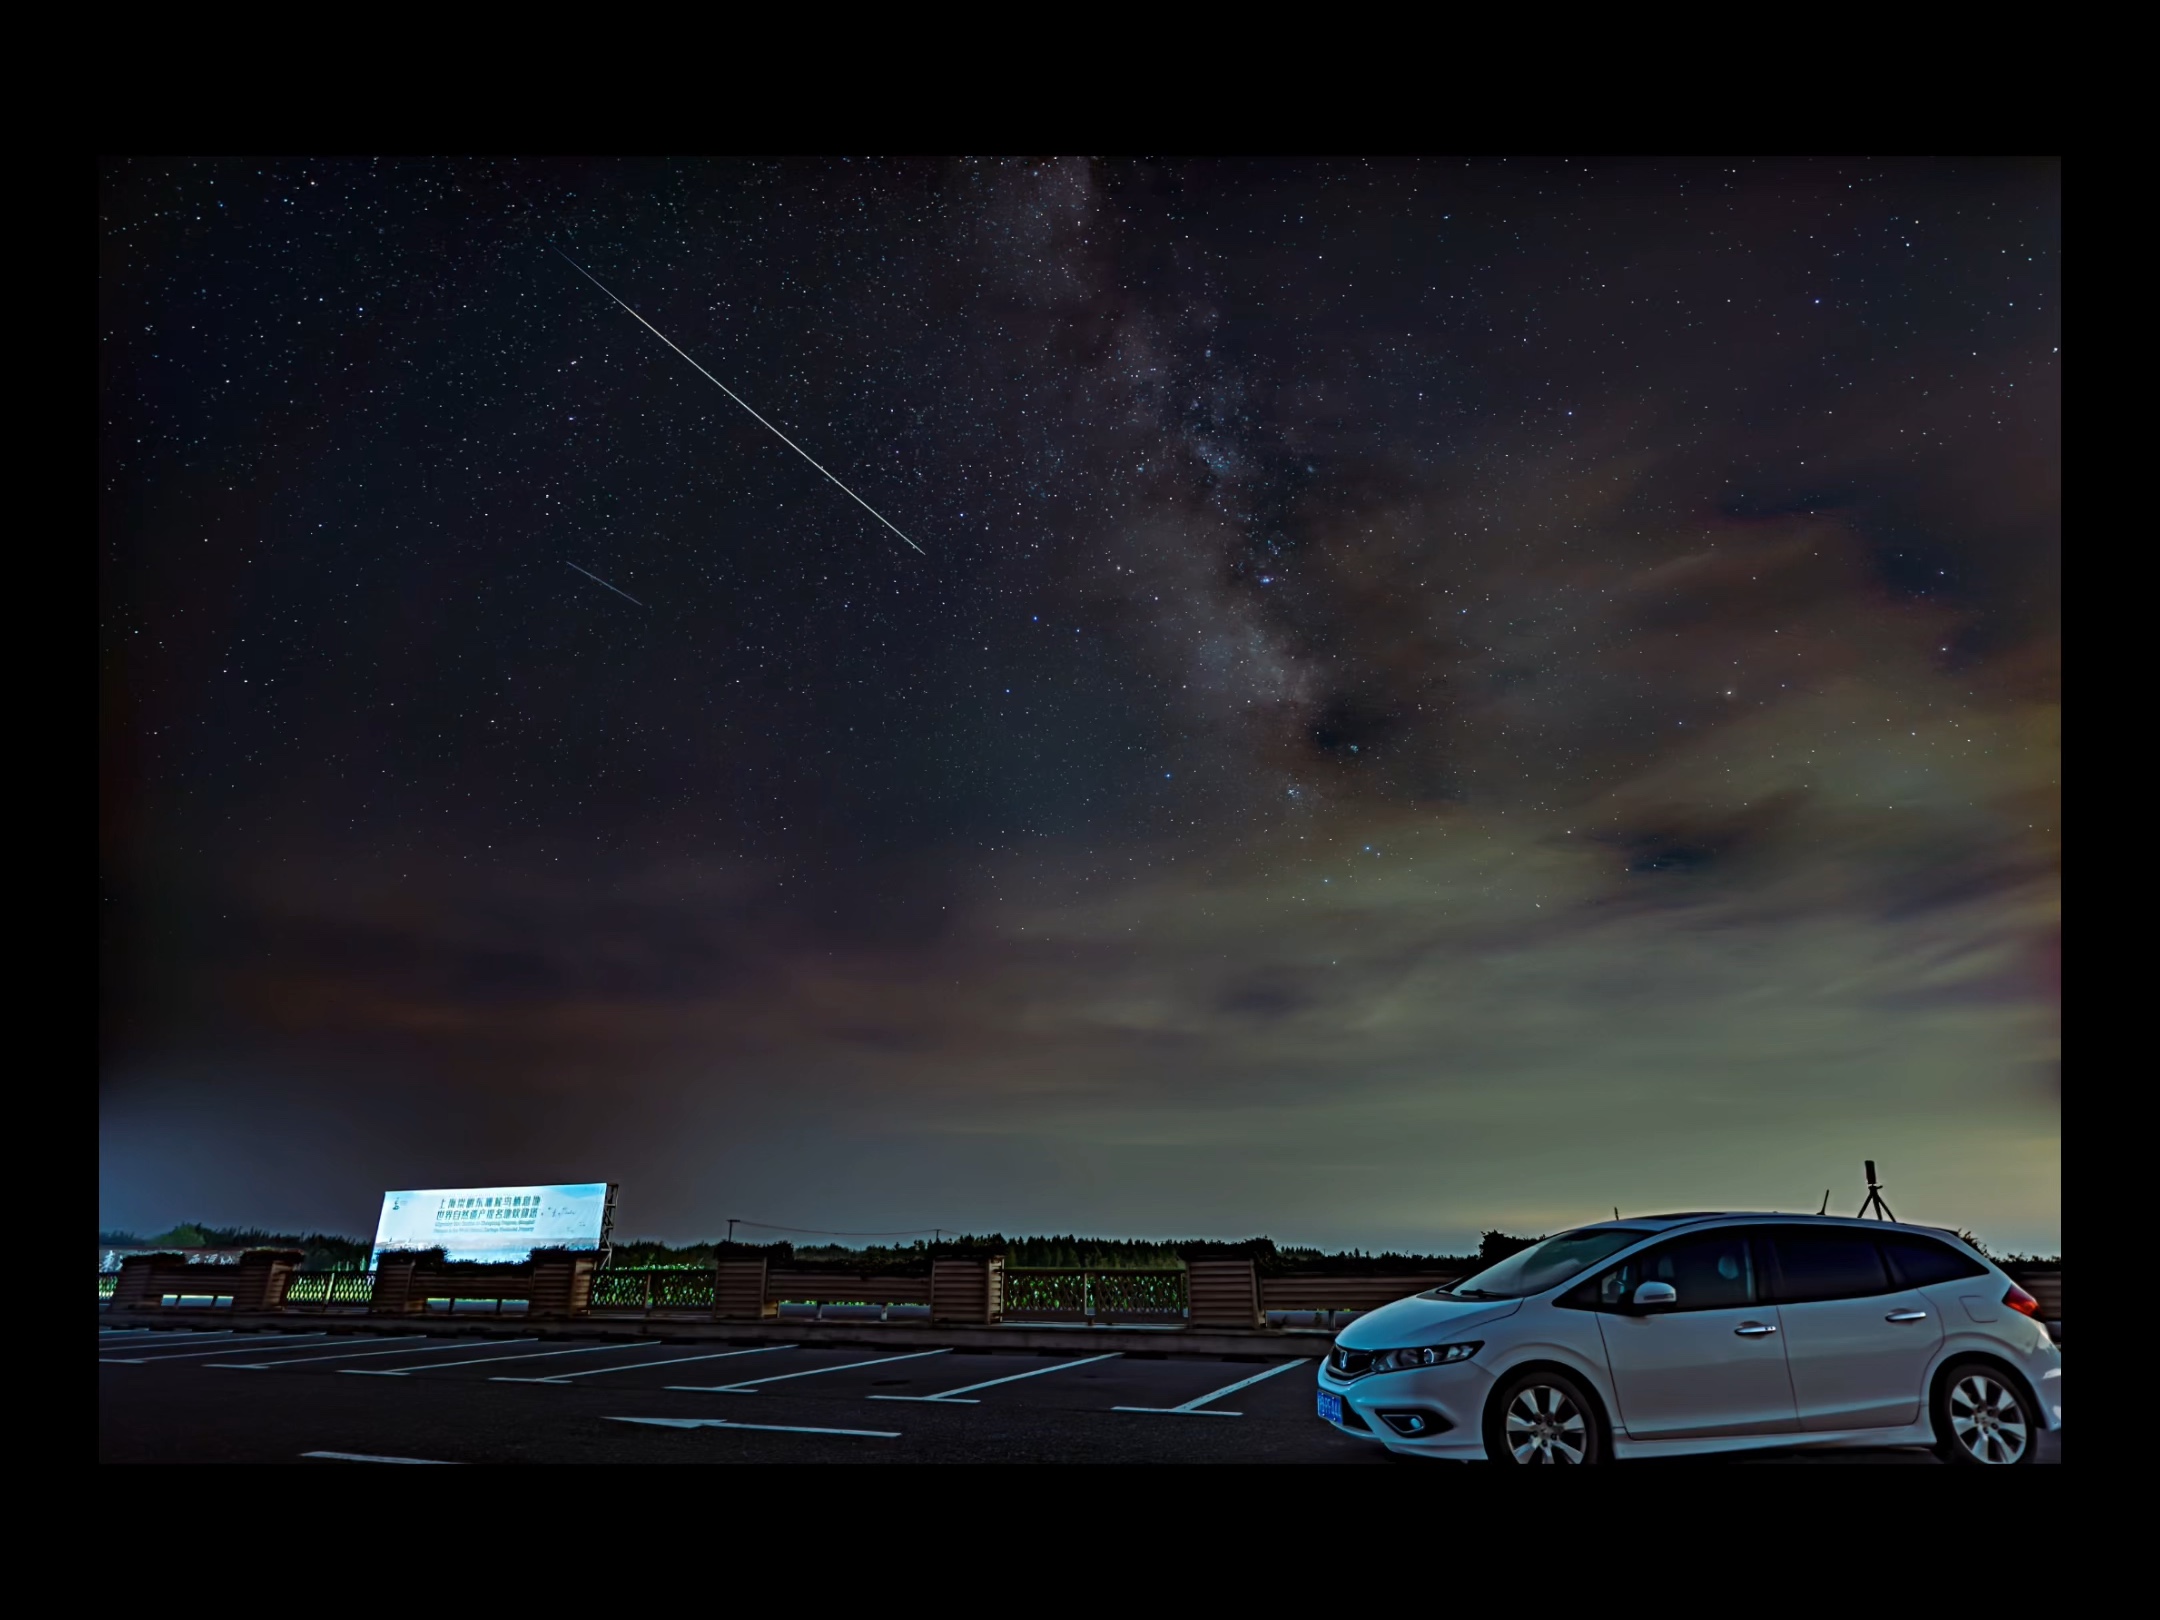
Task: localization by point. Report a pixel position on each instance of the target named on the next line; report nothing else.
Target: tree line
(1069, 1251)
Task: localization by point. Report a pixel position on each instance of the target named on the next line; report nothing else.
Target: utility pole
(732, 1219)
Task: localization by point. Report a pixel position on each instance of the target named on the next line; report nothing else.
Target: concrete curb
(1216, 1344)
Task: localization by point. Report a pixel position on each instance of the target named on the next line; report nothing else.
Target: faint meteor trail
(738, 399)
(597, 580)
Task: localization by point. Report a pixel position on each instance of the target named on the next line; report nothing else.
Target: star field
(1435, 695)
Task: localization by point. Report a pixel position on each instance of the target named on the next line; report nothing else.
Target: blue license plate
(1331, 1406)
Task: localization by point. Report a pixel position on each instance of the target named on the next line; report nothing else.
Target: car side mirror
(1655, 1296)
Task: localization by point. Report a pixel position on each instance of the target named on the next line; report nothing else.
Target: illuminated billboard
(494, 1223)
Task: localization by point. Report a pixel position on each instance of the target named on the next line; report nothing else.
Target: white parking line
(954, 1395)
(748, 1385)
(767, 1428)
(491, 1344)
(672, 1361)
(361, 1456)
(482, 1361)
(188, 1355)
(412, 1345)
(1192, 1408)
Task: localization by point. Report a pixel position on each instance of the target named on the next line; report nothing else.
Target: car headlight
(1430, 1355)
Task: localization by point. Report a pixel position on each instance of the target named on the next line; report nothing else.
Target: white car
(1681, 1334)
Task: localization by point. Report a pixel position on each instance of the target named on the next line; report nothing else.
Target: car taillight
(2021, 1302)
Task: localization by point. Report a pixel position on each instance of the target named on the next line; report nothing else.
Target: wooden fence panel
(404, 1288)
(967, 1291)
(256, 1282)
(1222, 1294)
(137, 1288)
(740, 1290)
(561, 1283)
(393, 1291)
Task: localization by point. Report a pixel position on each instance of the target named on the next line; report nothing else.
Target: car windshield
(1545, 1265)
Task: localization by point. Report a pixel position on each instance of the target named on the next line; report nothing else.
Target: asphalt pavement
(325, 1396)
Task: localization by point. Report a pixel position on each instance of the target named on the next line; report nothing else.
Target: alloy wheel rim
(1987, 1420)
(1544, 1426)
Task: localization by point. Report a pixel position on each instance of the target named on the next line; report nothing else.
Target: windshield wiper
(1474, 1293)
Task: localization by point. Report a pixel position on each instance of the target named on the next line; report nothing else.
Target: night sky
(1436, 695)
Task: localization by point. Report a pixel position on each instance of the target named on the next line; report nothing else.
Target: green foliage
(325, 1251)
(771, 1253)
(1260, 1251)
(646, 1253)
(1100, 1254)
(2018, 1264)
(909, 1259)
(1361, 1263)
(1067, 1251)
(2013, 1263)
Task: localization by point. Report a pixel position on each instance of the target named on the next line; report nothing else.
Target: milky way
(1443, 695)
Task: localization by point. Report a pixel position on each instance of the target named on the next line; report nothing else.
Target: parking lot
(325, 1396)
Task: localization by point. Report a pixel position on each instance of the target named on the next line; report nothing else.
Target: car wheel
(1543, 1417)
(1982, 1417)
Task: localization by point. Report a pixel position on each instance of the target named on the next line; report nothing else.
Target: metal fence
(330, 1288)
(656, 1289)
(1030, 1293)
(1059, 1294)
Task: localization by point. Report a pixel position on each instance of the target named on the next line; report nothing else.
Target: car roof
(1660, 1223)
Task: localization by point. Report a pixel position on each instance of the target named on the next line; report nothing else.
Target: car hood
(1421, 1320)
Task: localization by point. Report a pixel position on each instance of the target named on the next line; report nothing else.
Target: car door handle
(1753, 1330)
(1906, 1316)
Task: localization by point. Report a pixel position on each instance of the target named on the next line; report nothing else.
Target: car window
(1826, 1264)
(1917, 1261)
(1709, 1271)
(1546, 1264)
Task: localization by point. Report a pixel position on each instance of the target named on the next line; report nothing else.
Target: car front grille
(1349, 1363)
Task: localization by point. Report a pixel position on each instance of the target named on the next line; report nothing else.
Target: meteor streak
(597, 580)
(738, 399)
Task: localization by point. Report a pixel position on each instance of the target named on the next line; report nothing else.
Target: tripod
(1873, 1202)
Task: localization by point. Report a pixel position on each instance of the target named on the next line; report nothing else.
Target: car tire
(1982, 1418)
(1543, 1417)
